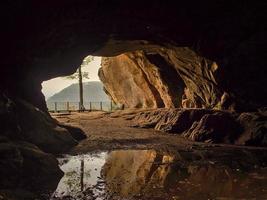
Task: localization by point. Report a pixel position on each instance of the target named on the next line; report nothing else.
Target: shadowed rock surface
(217, 127)
(26, 171)
(255, 128)
(36, 127)
(204, 125)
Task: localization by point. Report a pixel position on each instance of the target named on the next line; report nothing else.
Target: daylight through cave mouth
(64, 93)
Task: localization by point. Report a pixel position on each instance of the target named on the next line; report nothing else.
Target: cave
(194, 70)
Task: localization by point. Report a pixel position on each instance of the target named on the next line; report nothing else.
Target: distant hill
(93, 91)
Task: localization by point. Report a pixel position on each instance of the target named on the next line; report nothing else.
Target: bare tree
(80, 75)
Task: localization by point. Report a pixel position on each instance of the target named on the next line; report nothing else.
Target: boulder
(22, 121)
(179, 120)
(149, 119)
(218, 127)
(24, 166)
(173, 120)
(254, 127)
(40, 129)
(75, 132)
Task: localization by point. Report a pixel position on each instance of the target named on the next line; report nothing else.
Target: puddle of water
(82, 177)
(148, 174)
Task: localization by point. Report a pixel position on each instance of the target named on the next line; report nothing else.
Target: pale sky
(55, 85)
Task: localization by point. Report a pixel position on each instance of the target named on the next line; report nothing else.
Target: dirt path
(108, 131)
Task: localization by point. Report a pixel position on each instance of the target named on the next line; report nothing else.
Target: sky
(52, 86)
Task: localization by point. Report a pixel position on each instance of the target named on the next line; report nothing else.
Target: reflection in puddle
(82, 177)
(148, 174)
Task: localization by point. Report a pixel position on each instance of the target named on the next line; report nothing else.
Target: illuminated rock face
(168, 78)
(127, 83)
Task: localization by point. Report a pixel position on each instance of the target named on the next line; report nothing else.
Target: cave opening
(190, 77)
(124, 150)
(79, 91)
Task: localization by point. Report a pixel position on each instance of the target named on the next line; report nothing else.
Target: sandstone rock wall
(133, 80)
(127, 83)
(169, 78)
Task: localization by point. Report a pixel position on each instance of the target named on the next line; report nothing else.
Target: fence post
(55, 107)
(90, 105)
(101, 105)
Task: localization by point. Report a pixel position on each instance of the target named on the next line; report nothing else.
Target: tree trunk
(81, 108)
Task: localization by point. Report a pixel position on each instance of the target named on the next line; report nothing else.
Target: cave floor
(119, 161)
(115, 130)
(109, 131)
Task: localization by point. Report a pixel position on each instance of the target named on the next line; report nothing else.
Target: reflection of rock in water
(133, 171)
(212, 181)
(148, 174)
(125, 171)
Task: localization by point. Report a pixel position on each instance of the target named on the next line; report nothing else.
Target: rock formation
(215, 51)
(213, 126)
(176, 77)
(215, 47)
(179, 77)
(127, 83)
(26, 170)
(26, 134)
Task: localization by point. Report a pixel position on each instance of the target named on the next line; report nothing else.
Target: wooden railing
(89, 106)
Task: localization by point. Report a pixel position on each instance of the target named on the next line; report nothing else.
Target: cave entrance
(78, 91)
(135, 79)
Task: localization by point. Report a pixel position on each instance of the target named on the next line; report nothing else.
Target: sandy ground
(108, 131)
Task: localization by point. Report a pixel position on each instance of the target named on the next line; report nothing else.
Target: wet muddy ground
(120, 162)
